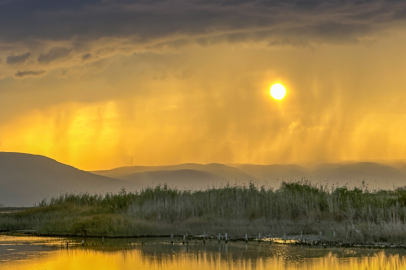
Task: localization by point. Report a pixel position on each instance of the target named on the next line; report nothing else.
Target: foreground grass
(337, 213)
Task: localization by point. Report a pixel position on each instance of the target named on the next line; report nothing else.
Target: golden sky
(94, 82)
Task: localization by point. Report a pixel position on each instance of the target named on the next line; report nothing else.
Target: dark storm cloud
(17, 59)
(335, 31)
(30, 21)
(401, 14)
(26, 73)
(54, 54)
(322, 32)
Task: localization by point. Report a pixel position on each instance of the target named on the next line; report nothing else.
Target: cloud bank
(142, 24)
(53, 32)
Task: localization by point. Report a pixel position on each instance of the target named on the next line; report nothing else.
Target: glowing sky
(91, 82)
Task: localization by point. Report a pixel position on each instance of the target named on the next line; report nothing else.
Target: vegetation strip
(331, 214)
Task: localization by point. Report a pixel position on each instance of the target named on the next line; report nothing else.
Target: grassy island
(333, 213)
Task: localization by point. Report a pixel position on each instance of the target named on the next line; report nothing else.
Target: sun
(278, 91)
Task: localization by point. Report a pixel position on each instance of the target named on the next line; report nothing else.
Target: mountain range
(26, 179)
(190, 175)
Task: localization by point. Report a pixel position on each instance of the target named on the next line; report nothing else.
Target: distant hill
(376, 175)
(181, 179)
(26, 179)
(221, 171)
(273, 172)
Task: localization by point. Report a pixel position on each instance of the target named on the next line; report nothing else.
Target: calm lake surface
(32, 253)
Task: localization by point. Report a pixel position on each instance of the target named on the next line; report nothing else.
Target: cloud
(77, 31)
(54, 54)
(147, 21)
(86, 56)
(17, 59)
(21, 74)
(219, 92)
(400, 15)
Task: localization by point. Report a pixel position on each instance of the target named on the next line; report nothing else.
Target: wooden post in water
(67, 245)
(284, 236)
(219, 238)
(184, 239)
(102, 240)
(259, 238)
(204, 238)
(270, 238)
(226, 238)
(246, 238)
(172, 239)
(301, 236)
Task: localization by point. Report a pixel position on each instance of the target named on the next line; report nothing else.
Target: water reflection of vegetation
(340, 213)
(161, 247)
(159, 254)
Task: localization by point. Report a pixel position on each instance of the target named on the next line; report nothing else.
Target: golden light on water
(198, 260)
(38, 253)
(278, 91)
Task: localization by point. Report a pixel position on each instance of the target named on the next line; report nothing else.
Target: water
(36, 253)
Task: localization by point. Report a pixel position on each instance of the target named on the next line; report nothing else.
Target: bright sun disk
(278, 91)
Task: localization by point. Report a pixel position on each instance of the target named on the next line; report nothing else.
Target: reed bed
(347, 214)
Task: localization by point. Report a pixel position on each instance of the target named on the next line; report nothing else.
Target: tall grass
(357, 213)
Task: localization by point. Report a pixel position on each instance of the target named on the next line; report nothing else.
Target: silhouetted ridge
(26, 179)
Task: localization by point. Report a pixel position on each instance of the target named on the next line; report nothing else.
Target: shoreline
(296, 213)
(308, 240)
